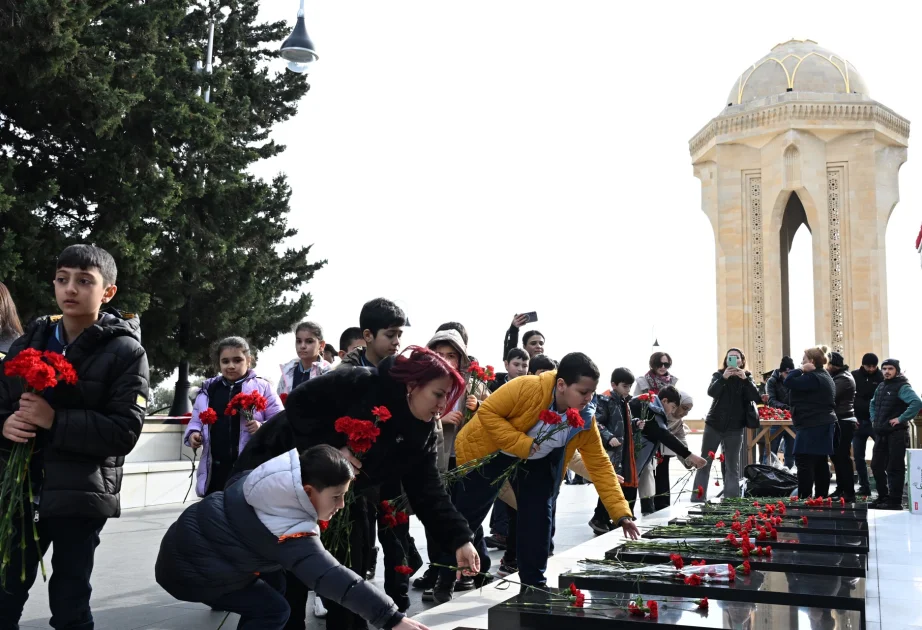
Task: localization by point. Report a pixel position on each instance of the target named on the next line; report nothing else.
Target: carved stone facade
(800, 142)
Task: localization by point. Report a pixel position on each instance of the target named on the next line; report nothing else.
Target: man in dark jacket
(82, 432)
(845, 426)
(779, 398)
(867, 378)
(228, 551)
(893, 407)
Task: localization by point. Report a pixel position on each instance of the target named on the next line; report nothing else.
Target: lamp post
(298, 49)
(181, 404)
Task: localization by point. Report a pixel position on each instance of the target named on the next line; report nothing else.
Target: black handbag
(752, 416)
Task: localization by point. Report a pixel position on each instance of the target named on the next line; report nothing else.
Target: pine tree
(104, 139)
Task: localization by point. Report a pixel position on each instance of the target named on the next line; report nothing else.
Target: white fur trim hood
(275, 493)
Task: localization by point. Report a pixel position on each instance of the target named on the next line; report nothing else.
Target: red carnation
(382, 414)
(404, 570)
(698, 563)
(803, 519)
(62, 366)
(700, 491)
(549, 417)
(635, 610)
(711, 454)
(580, 600)
(389, 520)
(654, 610)
(702, 603)
(717, 483)
(722, 459)
(323, 525)
(677, 561)
(402, 518)
(693, 580)
(731, 572)
(386, 507)
(842, 501)
(208, 416)
(283, 398)
(747, 568)
(489, 374)
(720, 524)
(574, 419)
(573, 590)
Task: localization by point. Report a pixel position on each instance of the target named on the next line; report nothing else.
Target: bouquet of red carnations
(477, 379)
(39, 371)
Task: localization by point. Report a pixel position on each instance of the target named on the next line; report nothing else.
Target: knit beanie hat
(870, 359)
(895, 363)
(787, 363)
(836, 359)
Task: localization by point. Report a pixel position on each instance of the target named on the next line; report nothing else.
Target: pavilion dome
(797, 66)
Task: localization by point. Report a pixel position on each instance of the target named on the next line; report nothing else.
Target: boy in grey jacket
(229, 551)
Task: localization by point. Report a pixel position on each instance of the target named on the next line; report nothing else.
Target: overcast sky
(473, 160)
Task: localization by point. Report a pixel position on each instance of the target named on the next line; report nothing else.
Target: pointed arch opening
(797, 297)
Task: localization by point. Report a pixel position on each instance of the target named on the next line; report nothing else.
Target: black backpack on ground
(766, 481)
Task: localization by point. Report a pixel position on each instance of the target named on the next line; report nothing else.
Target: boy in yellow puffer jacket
(508, 421)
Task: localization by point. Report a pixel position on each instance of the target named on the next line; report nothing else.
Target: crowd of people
(272, 480)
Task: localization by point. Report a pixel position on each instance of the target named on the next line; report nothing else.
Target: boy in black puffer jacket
(229, 550)
(82, 432)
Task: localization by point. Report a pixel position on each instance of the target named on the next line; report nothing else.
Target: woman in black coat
(416, 389)
(813, 404)
(734, 393)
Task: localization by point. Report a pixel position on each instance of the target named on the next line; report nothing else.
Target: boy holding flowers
(79, 431)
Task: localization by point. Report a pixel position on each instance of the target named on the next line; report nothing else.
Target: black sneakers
(600, 527)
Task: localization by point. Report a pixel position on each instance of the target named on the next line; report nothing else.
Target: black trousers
(662, 499)
(812, 472)
(75, 541)
(361, 542)
(889, 463)
(261, 605)
(842, 460)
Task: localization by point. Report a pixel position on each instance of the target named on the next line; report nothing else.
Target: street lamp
(298, 49)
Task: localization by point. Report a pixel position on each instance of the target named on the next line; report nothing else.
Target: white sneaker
(320, 610)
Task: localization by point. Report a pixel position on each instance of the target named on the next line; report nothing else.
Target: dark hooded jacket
(97, 422)
(778, 395)
(405, 452)
(262, 523)
(733, 398)
(845, 396)
(865, 387)
(813, 398)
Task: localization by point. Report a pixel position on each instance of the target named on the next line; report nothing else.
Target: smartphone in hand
(732, 361)
(532, 317)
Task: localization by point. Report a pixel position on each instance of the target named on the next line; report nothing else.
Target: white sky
(472, 160)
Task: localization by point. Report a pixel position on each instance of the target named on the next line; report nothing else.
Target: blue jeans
(777, 434)
(536, 484)
(864, 431)
(261, 605)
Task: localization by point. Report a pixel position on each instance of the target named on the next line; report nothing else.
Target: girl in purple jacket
(223, 440)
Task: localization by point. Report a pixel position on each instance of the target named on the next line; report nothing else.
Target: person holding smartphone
(734, 392)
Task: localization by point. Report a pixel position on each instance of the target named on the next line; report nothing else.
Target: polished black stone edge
(763, 564)
(818, 527)
(680, 589)
(510, 615)
(833, 546)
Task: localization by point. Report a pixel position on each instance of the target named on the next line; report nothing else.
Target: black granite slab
(527, 613)
(859, 506)
(805, 542)
(765, 587)
(810, 513)
(810, 562)
(793, 524)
